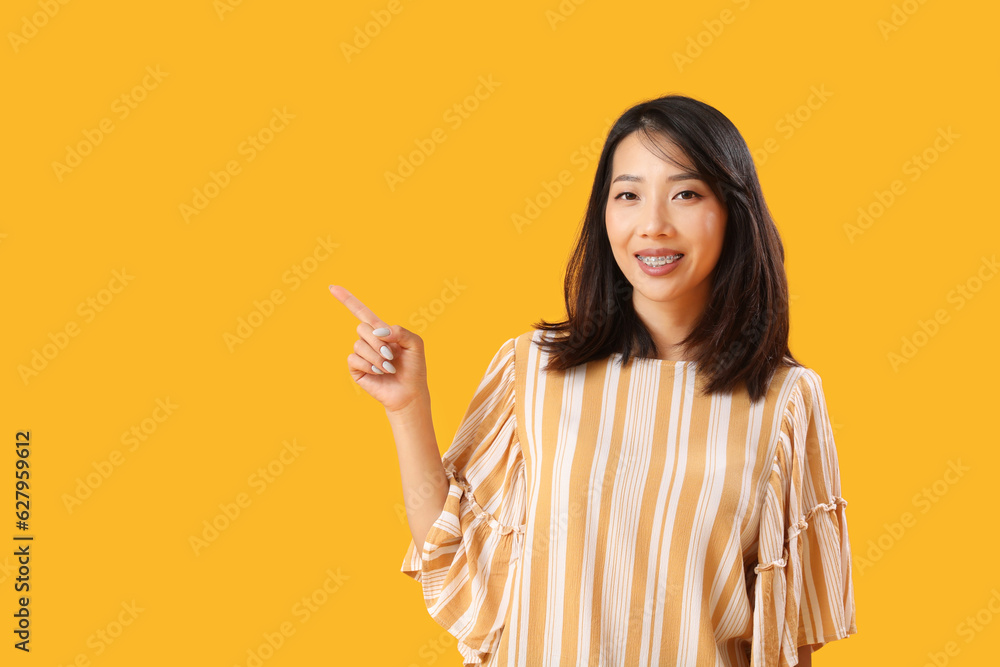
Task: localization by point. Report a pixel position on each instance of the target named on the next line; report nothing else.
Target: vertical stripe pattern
(612, 515)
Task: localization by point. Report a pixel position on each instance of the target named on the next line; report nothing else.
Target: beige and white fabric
(609, 515)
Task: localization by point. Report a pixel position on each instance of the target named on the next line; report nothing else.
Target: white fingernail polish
(381, 331)
(389, 367)
(378, 370)
(386, 352)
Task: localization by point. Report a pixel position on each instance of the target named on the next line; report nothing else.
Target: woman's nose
(656, 217)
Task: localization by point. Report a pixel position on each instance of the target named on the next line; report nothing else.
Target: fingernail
(389, 367)
(381, 331)
(386, 352)
(377, 370)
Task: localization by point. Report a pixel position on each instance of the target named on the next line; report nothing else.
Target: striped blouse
(610, 515)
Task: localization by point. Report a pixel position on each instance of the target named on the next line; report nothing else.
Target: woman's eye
(690, 192)
(620, 195)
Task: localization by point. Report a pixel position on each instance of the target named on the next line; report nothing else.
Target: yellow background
(442, 242)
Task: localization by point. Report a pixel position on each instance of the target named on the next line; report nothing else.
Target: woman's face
(654, 206)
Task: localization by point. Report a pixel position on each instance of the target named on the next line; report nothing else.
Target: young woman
(654, 480)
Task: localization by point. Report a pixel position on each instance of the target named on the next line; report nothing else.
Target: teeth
(660, 261)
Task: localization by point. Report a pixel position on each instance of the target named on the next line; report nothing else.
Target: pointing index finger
(358, 309)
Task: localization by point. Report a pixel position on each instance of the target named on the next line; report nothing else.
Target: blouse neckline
(659, 362)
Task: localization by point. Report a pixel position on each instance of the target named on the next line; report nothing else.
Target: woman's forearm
(425, 485)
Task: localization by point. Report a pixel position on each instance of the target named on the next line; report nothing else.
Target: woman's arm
(425, 485)
(404, 394)
(805, 655)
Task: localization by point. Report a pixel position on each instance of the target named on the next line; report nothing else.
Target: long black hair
(742, 334)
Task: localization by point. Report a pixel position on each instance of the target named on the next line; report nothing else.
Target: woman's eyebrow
(680, 176)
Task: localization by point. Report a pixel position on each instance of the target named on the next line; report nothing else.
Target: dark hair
(742, 334)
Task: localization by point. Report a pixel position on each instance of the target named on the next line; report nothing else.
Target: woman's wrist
(417, 408)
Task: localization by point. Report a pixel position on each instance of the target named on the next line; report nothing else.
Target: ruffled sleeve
(467, 563)
(803, 593)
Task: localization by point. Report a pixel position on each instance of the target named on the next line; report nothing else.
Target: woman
(653, 480)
